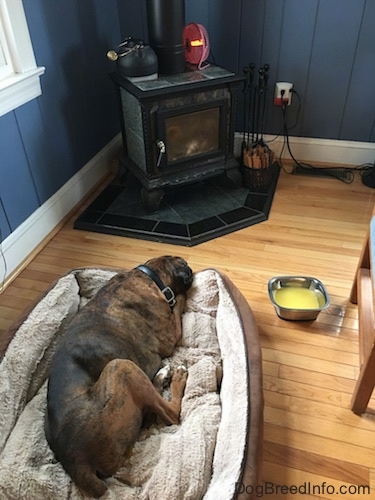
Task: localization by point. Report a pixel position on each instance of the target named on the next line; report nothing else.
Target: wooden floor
(316, 227)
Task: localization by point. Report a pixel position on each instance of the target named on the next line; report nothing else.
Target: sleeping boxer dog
(100, 387)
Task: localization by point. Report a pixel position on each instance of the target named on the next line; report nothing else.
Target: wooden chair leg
(364, 262)
(366, 380)
(365, 385)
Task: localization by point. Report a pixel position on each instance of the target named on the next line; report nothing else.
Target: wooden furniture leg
(364, 262)
(362, 294)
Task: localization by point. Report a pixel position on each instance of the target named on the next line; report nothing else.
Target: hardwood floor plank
(285, 434)
(302, 343)
(317, 378)
(298, 418)
(325, 331)
(316, 464)
(311, 405)
(274, 386)
(324, 486)
(301, 361)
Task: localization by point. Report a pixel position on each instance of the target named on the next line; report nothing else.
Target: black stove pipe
(166, 21)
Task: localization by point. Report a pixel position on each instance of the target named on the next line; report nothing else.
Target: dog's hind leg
(144, 394)
(125, 392)
(120, 397)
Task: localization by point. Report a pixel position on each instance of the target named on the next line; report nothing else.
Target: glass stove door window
(192, 134)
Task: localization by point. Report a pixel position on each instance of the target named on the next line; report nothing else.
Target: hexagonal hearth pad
(187, 216)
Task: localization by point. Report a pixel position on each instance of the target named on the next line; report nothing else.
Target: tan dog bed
(218, 443)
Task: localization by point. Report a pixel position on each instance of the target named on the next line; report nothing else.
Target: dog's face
(173, 271)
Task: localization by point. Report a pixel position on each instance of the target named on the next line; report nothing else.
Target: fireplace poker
(266, 68)
(246, 70)
(251, 105)
(259, 92)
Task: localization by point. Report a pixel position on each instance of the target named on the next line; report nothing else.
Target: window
(19, 74)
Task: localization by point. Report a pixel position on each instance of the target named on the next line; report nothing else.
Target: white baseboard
(21, 242)
(347, 153)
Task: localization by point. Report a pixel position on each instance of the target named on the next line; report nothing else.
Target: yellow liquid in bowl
(298, 298)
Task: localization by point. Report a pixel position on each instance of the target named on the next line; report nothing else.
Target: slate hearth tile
(205, 226)
(166, 214)
(120, 221)
(256, 201)
(199, 203)
(240, 214)
(127, 198)
(106, 197)
(135, 210)
(171, 229)
(129, 204)
(226, 186)
(89, 217)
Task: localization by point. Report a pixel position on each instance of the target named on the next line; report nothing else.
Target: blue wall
(46, 141)
(325, 47)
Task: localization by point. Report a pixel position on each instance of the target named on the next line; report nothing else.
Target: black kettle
(134, 58)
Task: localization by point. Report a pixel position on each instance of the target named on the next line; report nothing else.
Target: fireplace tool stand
(257, 157)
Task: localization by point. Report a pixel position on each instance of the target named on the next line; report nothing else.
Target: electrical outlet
(283, 94)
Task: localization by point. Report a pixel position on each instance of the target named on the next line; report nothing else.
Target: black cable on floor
(344, 174)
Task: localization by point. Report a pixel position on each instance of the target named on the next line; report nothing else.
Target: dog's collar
(166, 290)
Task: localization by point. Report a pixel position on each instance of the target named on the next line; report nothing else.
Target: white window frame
(21, 83)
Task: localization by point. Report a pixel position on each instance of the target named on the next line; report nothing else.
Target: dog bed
(216, 448)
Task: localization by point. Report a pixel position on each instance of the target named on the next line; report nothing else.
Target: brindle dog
(100, 385)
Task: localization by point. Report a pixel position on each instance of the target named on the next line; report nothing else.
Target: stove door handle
(161, 147)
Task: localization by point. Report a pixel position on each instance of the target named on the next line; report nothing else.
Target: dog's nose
(188, 278)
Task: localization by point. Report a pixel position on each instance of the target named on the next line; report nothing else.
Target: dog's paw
(163, 377)
(180, 373)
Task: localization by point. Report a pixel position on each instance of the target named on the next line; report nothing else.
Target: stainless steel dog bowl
(298, 298)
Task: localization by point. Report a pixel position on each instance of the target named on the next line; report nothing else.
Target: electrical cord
(344, 174)
(289, 128)
(298, 109)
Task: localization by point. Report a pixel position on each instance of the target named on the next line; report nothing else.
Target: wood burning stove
(178, 129)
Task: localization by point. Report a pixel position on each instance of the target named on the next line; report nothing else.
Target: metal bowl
(298, 312)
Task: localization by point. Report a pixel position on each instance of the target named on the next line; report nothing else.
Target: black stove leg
(151, 199)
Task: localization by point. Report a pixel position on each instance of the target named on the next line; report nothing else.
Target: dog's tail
(88, 481)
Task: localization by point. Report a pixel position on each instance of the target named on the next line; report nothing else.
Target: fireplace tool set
(255, 152)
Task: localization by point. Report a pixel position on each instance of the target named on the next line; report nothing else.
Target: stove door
(191, 136)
